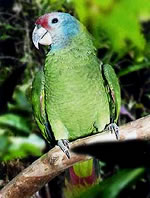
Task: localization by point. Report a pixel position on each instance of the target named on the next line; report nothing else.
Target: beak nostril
(38, 26)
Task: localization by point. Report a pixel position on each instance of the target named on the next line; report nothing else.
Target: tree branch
(54, 162)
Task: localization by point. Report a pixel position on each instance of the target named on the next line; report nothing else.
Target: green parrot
(74, 95)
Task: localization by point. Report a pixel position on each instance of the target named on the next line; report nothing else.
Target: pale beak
(42, 36)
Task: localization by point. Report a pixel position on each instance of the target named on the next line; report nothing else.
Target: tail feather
(80, 177)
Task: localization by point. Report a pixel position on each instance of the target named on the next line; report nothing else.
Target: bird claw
(114, 129)
(64, 146)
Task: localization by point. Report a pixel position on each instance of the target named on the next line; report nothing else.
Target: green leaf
(4, 143)
(33, 139)
(20, 147)
(111, 187)
(15, 121)
(133, 68)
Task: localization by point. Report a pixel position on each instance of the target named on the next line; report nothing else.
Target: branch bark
(51, 164)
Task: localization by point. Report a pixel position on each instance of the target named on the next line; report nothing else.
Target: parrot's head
(55, 29)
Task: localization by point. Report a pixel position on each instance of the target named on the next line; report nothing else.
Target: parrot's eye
(55, 20)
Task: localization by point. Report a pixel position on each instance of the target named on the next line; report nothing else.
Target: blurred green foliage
(20, 147)
(112, 186)
(121, 33)
(16, 140)
(120, 21)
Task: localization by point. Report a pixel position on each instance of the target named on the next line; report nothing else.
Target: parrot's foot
(64, 146)
(114, 129)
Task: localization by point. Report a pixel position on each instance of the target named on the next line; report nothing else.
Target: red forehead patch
(43, 21)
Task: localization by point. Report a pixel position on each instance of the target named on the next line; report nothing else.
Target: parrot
(74, 94)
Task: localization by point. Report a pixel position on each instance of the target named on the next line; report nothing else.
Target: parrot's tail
(80, 177)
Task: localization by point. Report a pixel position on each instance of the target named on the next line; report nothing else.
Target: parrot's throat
(59, 43)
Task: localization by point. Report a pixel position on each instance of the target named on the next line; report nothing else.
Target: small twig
(9, 57)
(54, 162)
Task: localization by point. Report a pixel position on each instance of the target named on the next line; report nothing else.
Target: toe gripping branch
(114, 129)
(64, 146)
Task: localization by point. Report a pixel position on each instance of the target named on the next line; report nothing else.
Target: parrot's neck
(70, 38)
(81, 43)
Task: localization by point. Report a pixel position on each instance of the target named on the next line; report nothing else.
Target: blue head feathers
(61, 27)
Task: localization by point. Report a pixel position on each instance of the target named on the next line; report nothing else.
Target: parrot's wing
(113, 88)
(38, 105)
